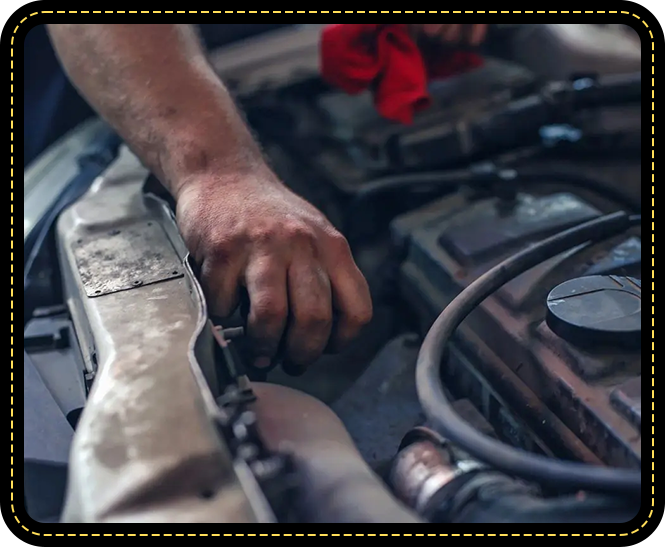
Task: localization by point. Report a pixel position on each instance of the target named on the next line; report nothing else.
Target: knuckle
(209, 279)
(221, 242)
(339, 243)
(262, 234)
(315, 318)
(299, 231)
(269, 310)
(220, 250)
(361, 317)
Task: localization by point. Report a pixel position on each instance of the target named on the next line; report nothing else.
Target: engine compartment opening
(499, 380)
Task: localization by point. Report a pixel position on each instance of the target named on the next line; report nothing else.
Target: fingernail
(262, 362)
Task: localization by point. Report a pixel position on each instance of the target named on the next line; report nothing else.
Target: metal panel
(127, 258)
(146, 447)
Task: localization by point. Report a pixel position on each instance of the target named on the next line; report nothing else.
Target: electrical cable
(441, 182)
(452, 179)
(438, 409)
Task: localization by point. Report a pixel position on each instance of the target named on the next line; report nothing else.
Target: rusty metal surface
(125, 258)
(146, 447)
(627, 398)
(562, 393)
(420, 471)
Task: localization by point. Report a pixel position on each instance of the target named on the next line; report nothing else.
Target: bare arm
(155, 86)
(241, 224)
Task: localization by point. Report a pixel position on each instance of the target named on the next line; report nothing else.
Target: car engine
(500, 234)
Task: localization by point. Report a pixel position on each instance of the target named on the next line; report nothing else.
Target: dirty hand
(472, 35)
(252, 232)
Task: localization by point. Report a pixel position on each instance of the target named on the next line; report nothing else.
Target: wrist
(194, 157)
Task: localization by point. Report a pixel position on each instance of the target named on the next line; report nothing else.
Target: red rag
(387, 59)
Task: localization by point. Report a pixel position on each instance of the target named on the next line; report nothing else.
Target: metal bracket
(127, 258)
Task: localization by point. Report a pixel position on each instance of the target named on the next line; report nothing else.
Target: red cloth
(387, 59)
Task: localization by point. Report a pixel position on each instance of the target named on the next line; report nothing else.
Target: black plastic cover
(597, 309)
(47, 438)
(493, 230)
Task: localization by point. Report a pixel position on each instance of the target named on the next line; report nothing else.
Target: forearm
(153, 84)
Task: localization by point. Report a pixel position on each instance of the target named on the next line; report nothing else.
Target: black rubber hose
(524, 509)
(444, 180)
(495, 498)
(431, 182)
(436, 183)
(438, 409)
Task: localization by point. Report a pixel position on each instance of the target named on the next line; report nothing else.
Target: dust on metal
(126, 258)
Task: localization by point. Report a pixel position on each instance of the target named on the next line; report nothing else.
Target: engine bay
(548, 364)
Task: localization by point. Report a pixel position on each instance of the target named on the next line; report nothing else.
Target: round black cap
(599, 309)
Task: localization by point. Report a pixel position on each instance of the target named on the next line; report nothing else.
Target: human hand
(251, 231)
(472, 35)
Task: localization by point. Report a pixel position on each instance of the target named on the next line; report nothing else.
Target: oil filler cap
(600, 310)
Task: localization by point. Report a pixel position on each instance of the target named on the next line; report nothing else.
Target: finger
(310, 307)
(265, 279)
(478, 34)
(432, 30)
(351, 300)
(452, 33)
(220, 285)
